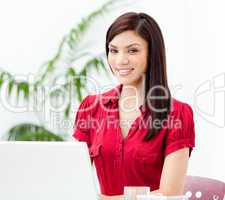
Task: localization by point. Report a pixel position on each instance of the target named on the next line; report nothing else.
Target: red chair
(200, 188)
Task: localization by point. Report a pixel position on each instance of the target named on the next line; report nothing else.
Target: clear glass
(130, 192)
(184, 197)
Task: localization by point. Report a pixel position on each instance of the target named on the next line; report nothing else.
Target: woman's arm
(174, 173)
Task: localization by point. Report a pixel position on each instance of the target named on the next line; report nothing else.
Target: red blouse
(129, 161)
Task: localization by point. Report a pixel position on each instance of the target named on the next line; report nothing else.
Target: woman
(154, 144)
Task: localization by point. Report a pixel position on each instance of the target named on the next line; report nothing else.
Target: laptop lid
(46, 171)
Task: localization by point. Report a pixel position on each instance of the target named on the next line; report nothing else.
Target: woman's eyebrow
(126, 46)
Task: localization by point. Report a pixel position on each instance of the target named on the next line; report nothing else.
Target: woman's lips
(124, 72)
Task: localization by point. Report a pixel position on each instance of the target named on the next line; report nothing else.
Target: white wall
(194, 37)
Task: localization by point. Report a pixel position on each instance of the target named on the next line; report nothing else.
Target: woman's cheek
(112, 63)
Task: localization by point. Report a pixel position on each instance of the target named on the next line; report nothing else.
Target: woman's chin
(126, 82)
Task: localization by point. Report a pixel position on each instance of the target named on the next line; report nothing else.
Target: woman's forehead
(127, 39)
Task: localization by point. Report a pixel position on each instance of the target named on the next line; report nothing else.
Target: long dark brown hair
(156, 75)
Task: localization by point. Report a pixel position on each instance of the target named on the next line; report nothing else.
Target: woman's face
(127, 57)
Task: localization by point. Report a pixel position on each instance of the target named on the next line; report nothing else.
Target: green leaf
(50, 65)
(10, 86)
(76, 33)
(23, 87)
(67, 110)
(84, 72)
(32, 132)
(71, 72)
(97, 63)
(1, 82)
(102, 64)
(78, 88)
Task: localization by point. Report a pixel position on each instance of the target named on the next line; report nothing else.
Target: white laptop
(46, 171)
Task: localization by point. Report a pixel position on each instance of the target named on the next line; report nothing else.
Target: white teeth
(124, 71)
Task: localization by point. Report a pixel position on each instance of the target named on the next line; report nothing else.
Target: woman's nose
(122, 59)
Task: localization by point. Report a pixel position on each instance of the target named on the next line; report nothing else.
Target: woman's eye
(113, 51)
(133, 50)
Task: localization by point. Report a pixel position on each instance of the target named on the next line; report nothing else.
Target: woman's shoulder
(99, 99)
(179, 108)
(181, 128)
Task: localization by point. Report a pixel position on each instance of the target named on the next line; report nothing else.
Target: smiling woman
(128, 56)
(143, 151)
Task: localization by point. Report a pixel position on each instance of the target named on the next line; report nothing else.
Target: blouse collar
(112, 97)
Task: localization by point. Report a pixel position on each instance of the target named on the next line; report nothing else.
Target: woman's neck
(133, 94)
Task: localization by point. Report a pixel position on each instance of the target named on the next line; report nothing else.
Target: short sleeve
(81, 129)
(182, 131)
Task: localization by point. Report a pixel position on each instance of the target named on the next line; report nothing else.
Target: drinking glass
(130, 192)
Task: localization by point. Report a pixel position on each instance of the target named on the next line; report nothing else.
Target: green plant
(32, 132)
(47, 76)
(71, 40)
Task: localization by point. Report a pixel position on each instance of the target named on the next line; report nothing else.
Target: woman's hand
(115, 197)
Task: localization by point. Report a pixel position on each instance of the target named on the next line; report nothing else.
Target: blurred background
(45, 44)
